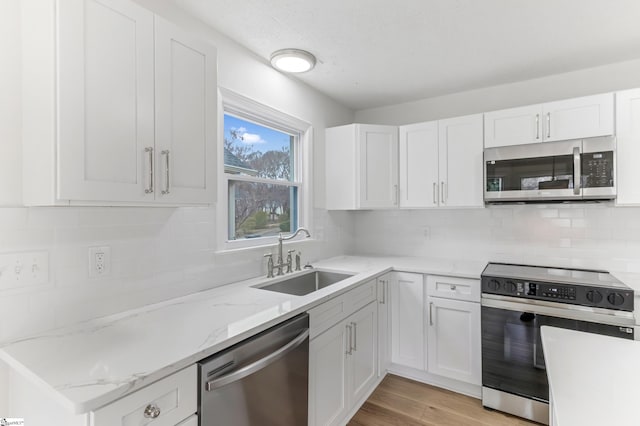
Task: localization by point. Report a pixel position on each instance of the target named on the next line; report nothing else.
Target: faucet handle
(289, 261)
(298, 254)
(269, 265)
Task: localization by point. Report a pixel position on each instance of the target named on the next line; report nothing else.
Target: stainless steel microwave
(581, 169)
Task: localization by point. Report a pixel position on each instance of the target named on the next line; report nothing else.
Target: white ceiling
(381, 52)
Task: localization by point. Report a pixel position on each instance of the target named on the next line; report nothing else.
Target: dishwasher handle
(257, 365)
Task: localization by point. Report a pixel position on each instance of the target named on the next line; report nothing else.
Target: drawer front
(176, 398)
(361, 296)
(453, 288)
(331, 312)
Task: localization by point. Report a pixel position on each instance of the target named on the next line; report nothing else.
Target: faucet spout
(281, 238)
(295, 234)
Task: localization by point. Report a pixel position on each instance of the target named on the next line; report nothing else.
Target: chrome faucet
(280, 263)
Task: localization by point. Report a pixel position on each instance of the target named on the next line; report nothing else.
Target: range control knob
(510, 287)
(594, 296)
(494, 285)
(616, 299)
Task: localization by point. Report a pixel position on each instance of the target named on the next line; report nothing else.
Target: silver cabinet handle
(152, 411)
(453, 287)
(149, 188)
(355, 336)
(442, 190)
(435, 193)
(396, 195)
(548, 125)
(537, 126)
(577, 172)
(430, 313)
(349, 346)
(259, 364)
(167, 172)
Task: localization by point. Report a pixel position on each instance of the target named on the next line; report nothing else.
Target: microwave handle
(577, 173)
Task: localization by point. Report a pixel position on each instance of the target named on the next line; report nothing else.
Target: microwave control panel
(584, 295)
(597, 169)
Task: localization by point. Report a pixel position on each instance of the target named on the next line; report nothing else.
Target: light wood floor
(403, 402)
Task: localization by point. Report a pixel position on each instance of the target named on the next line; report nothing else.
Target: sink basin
(306, 283)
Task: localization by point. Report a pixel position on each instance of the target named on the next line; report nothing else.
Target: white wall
(157, 253)
(608, 78)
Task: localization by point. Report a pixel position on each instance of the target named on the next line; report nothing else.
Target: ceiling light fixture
(293, 60)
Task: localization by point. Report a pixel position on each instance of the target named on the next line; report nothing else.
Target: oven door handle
(259, 364)
(580, 313)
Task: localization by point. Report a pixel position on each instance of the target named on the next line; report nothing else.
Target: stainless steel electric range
(516, 301)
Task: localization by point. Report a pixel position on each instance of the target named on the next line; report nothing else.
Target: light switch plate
(18, 270)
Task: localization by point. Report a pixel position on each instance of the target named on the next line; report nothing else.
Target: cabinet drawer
(176, 397)
(453, 288)
(335, 310)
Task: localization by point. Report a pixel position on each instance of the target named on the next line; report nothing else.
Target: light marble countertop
(593, 379)
(94, 363)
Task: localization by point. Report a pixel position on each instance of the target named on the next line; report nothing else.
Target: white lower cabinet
(167, 402)
(384, 320)
(191, 421)
(435, 330)
(407, 322)
(343, 366)
(453, 336)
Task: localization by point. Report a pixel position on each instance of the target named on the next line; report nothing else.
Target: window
(263, 167)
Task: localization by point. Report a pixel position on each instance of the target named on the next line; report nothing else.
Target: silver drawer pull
(152, 411)
(149, 188)
(167, 175)
(453, 287)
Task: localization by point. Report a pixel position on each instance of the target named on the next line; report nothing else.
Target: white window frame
(246, 108)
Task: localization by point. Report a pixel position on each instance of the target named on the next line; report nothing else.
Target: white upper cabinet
(119, 97)
(419, 163)
(584, 117)
(628, 146)
(361, 167)
(441, 163)
(186, 117)
(460, 153)
(514, 126)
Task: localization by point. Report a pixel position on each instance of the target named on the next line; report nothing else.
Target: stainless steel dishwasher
(260, 381)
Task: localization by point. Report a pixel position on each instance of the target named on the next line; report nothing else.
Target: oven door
(541, 171)
(512, 358)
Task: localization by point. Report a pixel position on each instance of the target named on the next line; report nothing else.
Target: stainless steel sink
(306, 283)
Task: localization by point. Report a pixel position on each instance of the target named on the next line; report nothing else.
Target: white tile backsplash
(594, 235)
(156, 254)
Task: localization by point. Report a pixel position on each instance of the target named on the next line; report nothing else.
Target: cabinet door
(407, 320)
(186, 116)
(191, 421)
(628, 146)
(461, 161)
(513, 126)
(327, 376)
(363, 361)
(578, 118)
(378, 151)
(418, 151)
(384, 332)
(454, 339)
(106, 105)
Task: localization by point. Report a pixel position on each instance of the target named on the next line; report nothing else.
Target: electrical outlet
(99, 261)
(426, 232)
